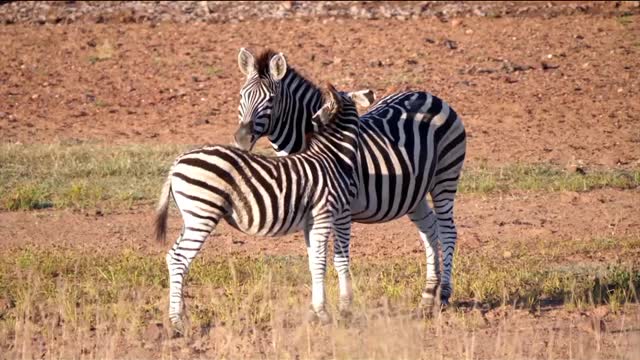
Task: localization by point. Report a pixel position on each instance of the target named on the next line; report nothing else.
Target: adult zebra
(258, 195)
(412, 144)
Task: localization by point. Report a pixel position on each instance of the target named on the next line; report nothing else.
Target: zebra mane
(262, 62)
(262, 68)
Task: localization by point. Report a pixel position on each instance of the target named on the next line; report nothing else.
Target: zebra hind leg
(178, 259)
(443, 204)
(341, 244)
(426, 221)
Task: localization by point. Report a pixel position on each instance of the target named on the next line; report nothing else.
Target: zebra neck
(300, 100)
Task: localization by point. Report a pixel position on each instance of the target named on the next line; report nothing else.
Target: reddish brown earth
(482, 221)
(175, 83)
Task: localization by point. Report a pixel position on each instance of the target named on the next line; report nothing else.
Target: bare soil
(559, 90)
(516, 218)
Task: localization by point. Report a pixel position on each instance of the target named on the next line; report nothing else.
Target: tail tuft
(162, 212)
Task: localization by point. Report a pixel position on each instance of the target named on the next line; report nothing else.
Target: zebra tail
(162, 212)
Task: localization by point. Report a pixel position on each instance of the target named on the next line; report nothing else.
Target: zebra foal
(258, 195)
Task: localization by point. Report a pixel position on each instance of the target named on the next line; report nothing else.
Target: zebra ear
(278, 67)
(246, 62)
(330, 109)
(325, 114)
(363, 98)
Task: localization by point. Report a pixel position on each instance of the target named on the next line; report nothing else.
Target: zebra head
(257, 96)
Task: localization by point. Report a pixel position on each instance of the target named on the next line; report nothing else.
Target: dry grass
(60, 303)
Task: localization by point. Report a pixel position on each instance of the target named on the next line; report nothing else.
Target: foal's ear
(329, 110)
(246, 61)
(277, 67)
(363, 98)
(325, 114)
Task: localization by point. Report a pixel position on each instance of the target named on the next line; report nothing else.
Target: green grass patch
(81, 176)
(625, 19)
(94, 175)
(543, 178)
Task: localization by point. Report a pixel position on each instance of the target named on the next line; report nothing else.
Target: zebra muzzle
(244, 138)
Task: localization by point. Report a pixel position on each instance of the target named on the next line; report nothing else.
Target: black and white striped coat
(310, 191)
(413, 144)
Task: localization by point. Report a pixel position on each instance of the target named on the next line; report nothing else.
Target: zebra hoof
(346, 315)
(345, 309)
(444, 303)
(321, 317)
(445, 295)
(177, 330)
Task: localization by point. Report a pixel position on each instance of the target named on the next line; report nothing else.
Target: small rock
(507, 254)
(456, 22)
(35, 96)
(468, 31)
(450, 44)
(429, 40)
(547, 66)
(201, 122)
(577, 168)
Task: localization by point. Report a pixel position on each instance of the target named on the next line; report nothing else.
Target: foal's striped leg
(341, 243)
(196, 230)
(318, 236)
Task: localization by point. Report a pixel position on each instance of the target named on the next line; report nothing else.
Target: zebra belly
(271, 222)
(368, 208)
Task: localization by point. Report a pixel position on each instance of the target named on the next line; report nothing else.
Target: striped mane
(262, 68)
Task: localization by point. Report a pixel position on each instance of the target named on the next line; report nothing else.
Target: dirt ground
(560, 89)
(522, 218)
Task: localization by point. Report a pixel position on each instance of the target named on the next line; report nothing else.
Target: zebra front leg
(341, 244)
(317, 237)
(425, 219)
(178, 260)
